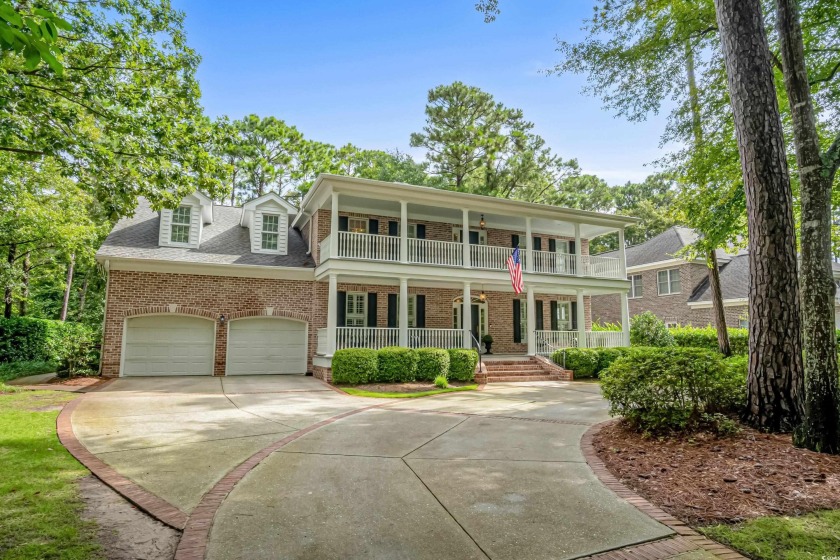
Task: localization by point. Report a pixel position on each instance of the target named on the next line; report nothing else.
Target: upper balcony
(383, 248)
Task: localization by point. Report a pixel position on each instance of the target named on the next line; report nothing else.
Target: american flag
(515, 268)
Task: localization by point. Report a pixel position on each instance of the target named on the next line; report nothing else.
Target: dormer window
(270, 231)
(181, 225)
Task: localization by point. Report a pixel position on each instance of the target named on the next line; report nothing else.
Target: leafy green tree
(393, 166)
(31, 33)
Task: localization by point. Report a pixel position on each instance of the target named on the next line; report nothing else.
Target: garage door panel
(169, 345)
(266, 346)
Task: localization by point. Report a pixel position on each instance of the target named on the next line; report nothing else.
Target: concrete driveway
(491, 474)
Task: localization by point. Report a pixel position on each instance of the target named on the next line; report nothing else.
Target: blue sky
(359, 71)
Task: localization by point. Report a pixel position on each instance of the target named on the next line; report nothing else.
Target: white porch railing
(368, 246)
(425, 251)
(553, 263)
(605, 339)
(549, 341)
(601, 267)
(435, 338)
(490, 257)
(365, 337)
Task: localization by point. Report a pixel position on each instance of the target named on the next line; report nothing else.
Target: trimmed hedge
(27, 339)
(706, 337)
(432, 363)
(664, 389)
(462, 364)
(355, 365)
(646, 329)
(587, 363)
(396, 365)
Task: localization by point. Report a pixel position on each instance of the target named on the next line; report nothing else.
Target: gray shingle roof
(734, 281)
(222, 242)
(663, 247)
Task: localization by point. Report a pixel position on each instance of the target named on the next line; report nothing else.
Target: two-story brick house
(206, 289)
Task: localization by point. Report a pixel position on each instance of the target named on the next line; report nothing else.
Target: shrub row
(402, 365)
(25, 339)
(706, 337)
(587, 363)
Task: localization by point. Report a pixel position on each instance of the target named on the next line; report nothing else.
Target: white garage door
(266, 346)
(169, 345)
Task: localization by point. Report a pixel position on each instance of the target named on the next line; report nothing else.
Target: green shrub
(462, 364)
(597, 326)
(646, 329)
(587, 363)
(396, 365)
(354, 365)
(431, 363)
(441, 382)
(13, 370)
(706, 337)
(25, 339)
(664, 389)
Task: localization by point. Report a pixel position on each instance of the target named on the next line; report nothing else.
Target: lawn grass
(362, 393)
(13, 370)
(39, 498)
(808, 537)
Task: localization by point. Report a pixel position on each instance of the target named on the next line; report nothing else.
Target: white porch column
(332, 314)
(465, 237)
(466, 316)
(334, 226)
(581, 321)
(622, 256)
(529, 246)
(531, 320)
(403, 323)
(625, 318)
(403, 231)
(578, 266)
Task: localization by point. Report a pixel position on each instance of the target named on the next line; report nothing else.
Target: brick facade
(670, 308)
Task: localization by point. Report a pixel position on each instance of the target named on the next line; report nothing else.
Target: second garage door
(266, 346)
(168, 345)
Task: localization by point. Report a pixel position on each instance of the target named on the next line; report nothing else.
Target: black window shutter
(342, 309)
(517, 321)
(473, 238)
(537, 243)
(420, 311)
(392, 311)
(371, 313)
(539, 314)
(393, 228)
(514, 241)
(421, 231)
(552, 245)
(574, 316)
(553, 318)
(572, 247)
(373, 226)
(343, 223)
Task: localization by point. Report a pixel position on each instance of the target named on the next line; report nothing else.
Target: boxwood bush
(666, 389)
(432, 363)
(646, 329)
(396, 365)
(587, 363)
(706, 337)
(462, 364)
(355, 365)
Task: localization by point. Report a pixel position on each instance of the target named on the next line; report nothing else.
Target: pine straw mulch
(80, 381)
(704, 479)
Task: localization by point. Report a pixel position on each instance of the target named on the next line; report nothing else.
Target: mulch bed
(704, 479)
(74, 381)
(415, 387)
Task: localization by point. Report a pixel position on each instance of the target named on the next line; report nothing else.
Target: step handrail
(477, 344)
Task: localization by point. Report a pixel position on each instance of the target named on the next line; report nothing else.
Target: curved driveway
(490, 474)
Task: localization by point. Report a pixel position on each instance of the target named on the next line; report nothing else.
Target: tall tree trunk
(717, 304)
(775, 382)
(23, 304)
(711, 257)
(67, 287)
(820, 430)
(83, 296)
(8, 294)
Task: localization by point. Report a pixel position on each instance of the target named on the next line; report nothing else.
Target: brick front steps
(525, 368)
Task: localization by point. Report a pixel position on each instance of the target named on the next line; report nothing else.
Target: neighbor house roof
(663, 247)
(222, 242)
(734, 281)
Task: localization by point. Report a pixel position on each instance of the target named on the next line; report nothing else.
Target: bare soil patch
(414, 387)
(74, 381)
(125, 532)
(705, 479)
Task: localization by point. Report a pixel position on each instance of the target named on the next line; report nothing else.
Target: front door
(478, 319)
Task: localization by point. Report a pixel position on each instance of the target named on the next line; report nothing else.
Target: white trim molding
(734, 302)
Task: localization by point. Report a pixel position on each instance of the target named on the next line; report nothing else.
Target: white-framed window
(671, 324)
(561, 246)
(743, 323)
(181, 218)
(564, 315)
(412, 310)
(412, 231)
(636, 286)
(457, 235)
(357, 225)
(356, 310)
(456, 316)
(270, 231)
(668, 281)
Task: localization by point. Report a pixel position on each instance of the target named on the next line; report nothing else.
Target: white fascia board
(670, 263)
(734, 302)
(210, 269)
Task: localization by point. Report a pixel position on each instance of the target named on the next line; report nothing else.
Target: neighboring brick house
(676, 290)
(207, 289)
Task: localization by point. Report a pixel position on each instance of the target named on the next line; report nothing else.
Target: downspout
(107, 266)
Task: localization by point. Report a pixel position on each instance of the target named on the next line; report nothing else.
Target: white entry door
(168, 345)
(265, 345)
